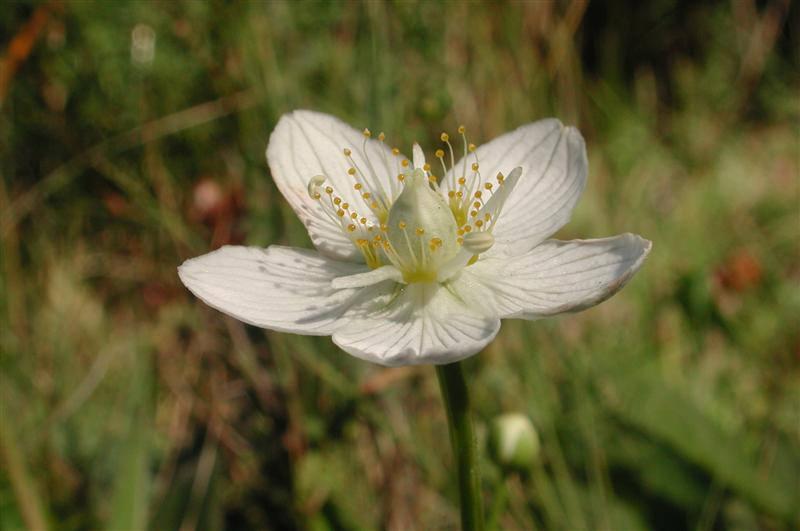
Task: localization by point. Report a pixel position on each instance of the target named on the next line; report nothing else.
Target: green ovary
(421, 230)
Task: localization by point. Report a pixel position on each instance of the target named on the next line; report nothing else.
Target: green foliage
(127, 404)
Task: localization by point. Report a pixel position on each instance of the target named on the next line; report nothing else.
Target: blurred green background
(132, 137)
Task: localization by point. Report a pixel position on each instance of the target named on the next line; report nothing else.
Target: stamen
(440, 155)
(383, 201)
(339, 212)
(474, 203)
(375, 181)
(392, 185)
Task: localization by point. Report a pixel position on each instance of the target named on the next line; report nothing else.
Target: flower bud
(513, 442)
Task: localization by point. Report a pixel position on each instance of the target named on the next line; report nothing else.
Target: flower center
(421, 230)
(419, 223)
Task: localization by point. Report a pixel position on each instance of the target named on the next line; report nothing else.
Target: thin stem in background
(28, 499)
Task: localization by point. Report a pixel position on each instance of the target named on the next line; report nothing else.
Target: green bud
(513, 442)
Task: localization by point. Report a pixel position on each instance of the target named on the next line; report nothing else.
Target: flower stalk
(462, 439)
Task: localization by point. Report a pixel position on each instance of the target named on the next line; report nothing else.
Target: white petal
(559, 276)
(362, 280)
(279, 288)
(418, 156)
(416, 323)
(554, 166)
(307, 143)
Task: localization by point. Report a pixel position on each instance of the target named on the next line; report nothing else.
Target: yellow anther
(362, 242)
(351, 228)
(358, 186)
(366, 132)
(488, 186)
(462, 129)
(377, 238)
(337, 200)
(316, 195)
(353, 216)
(426, 167)
(347, 152)
(467, 228)
(366, 195)
(340, 213)
(328, 190)
(462, 181)
(478, 194)
(474, 213)
(479, 223)
(395, 151)
(432, 178)
(471, 148)
(345, 205)
(374, 204)
(500, 178)
(351, 171)
(436, 242)
(451, 194)
(460, 241)
(381, 136)
(363, 221)
(487, 217)
(459, 194)
(404, 163)
(439, 153)
(460, 232)
(384, 227)
(476, 204)
(420, 231)
(401, 177)
(402, 225)
(445, 137)
(474, 166)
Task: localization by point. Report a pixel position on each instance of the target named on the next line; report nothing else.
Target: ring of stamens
(468, 197)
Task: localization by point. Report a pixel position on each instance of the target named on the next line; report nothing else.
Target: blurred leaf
(640, 398)
(131, 495)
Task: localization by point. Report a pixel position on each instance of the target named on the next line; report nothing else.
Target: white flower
(411, 268)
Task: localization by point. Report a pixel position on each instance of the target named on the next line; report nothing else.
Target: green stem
(462, 439)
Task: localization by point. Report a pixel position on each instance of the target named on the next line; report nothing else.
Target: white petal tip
(418, 156)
